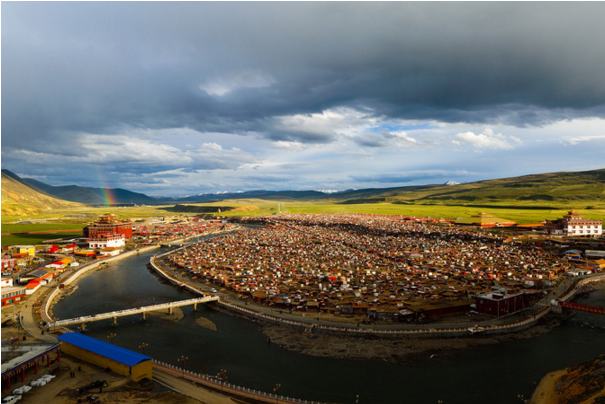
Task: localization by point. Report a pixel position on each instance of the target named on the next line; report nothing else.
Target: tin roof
(114, 352)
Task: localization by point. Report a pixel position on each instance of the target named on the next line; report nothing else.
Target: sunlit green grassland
(520, 215)
(34, 239)
(77, 219)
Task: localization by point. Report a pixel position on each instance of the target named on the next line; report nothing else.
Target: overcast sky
(193, 97)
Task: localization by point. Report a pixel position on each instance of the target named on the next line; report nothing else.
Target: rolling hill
(18, 199)
(562, 189)
(551, 190)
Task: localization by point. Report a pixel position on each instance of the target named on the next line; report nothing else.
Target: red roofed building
(13, 295)
(573, 224)
(69, 248)
(8, 262)
(108, 225)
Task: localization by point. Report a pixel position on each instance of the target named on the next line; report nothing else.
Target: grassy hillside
(553, 190)
(563, 190)
(89, 195)
(20, 200)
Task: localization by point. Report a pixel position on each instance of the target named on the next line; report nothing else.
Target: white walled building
(573, 225)
(107, 241)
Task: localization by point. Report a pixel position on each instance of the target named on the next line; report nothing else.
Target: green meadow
(33, 239)
(522, 215)
(76, 220)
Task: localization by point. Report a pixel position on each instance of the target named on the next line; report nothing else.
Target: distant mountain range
(563, 189)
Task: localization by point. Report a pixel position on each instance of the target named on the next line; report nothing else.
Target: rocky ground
(394, 350)
(580, 384)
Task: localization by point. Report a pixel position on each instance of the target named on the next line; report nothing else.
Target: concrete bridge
(138, 310)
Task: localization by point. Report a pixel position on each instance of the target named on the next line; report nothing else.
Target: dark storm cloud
(100, 67)
(92, 66)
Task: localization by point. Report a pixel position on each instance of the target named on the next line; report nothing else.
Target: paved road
(187, 388)
(28, 321)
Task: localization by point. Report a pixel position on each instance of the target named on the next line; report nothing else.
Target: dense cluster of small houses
(378, 266)
(162, 232)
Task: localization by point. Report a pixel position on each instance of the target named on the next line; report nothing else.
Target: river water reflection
(486, 374)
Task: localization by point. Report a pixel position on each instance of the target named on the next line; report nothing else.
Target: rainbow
(106, 192)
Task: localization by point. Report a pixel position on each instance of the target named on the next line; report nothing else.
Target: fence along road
(224, 387)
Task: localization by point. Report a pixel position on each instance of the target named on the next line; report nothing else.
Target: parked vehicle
(21, 390)
(11, 399)
(38, 382)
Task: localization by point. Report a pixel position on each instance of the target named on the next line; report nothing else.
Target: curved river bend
(493, 374)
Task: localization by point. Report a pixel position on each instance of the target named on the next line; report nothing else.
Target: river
(493, 374)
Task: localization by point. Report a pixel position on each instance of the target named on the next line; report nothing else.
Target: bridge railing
(126, 312)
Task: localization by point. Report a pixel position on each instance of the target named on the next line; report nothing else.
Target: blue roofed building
(119, 360)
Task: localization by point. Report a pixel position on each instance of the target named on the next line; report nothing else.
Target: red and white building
(8, 262)
(6, 282)
(108, 224)
(12, 295)
(104, 241)
(573, 225)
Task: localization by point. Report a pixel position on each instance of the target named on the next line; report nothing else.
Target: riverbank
(400, 350)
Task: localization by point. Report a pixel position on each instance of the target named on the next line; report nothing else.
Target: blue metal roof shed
(116, 353)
